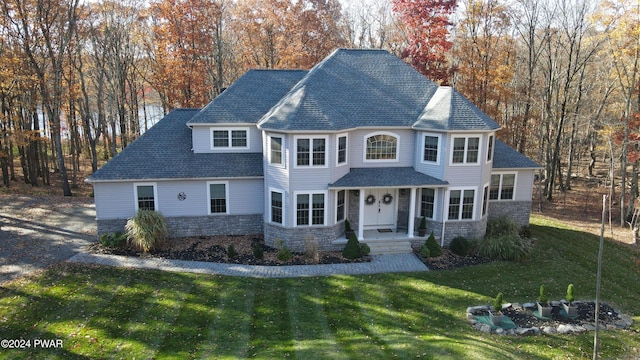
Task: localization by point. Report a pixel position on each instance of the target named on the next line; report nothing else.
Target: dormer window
(230, 138)
(381, 147)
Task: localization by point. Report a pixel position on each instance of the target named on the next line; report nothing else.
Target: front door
(379, 208)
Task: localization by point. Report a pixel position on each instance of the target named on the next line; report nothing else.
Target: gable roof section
(448, 110)
(505, 157)
(385, 177)
(249, 97)
(164, 152)
(353, 88)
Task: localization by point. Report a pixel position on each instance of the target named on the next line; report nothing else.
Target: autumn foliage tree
(186, 34)
(427, 23)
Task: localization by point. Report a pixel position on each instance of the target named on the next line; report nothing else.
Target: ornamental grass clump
(146, 230)
(503, 241)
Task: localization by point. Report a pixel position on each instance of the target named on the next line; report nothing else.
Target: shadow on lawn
(103, 312)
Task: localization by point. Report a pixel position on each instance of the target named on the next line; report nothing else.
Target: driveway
(39, 231)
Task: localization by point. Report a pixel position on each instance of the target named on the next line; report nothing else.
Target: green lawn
(101, 312)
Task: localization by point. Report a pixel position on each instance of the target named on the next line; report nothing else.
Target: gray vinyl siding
(466, 174)
(524, 184)
(117, 200)
(201, 136)
(432, 169)
(114, 200)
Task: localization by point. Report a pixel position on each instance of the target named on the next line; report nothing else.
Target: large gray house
(292, 154)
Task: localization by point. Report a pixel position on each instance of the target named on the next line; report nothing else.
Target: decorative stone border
(622, 322)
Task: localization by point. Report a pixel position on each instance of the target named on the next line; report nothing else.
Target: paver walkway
(379, 264)
(36, 232)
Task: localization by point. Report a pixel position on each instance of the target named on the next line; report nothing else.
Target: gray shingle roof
(449, 110)
(249, 97)
(353, 88)
(164, 152)
(505, 157)
(385, 177)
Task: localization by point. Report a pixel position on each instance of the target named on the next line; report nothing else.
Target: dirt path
(39, 231)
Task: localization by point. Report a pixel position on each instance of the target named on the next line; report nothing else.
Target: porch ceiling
(385, 177)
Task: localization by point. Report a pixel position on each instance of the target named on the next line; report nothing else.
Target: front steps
(388, 247)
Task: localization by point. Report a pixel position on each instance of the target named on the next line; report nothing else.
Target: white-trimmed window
(218, 193)
(503, 186)
(311, 152)
(340, 205)
(431, 147)
(490, 149)
(485, 200)
(341, 150)
(146, 196)
(427, 202)
(465, 150)
(275, 150)
(461, 204)
(230, 138)
(277, 210)
(310, 208)
(381, 147)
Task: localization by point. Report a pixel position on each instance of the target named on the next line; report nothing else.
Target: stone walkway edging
(387, 263)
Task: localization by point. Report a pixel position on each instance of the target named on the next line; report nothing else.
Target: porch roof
(385, 177)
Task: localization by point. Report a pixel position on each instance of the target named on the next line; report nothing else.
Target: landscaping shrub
(365, 249)
(460, 246)
(352, 249)
(503, 241)
(231, 251)
(525, 232)
(284, 254)
(425, 252)
(146, 230)
(432, 244)
(258, 253)
(113, 240)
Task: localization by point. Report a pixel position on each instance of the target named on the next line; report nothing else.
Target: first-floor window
(502, 186)
(217, 198)
(485, 198)
(427, 202)
(276, 207)
(461, 204)
(340, 205)
(310, 209)
(145, 197)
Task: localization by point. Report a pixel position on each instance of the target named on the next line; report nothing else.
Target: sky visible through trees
(82, 80)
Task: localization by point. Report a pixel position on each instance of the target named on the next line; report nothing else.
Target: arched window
(382, 147)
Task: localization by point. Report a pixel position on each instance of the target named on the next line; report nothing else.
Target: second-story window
(430, 148)
(381, 147)
(342, 150)
(229, 138)
(465, 150)
(276, 150)
(310, 152)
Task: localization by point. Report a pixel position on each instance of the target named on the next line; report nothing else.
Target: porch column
(361, 215)
(412, 212)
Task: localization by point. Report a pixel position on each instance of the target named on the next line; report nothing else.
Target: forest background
(79, 81)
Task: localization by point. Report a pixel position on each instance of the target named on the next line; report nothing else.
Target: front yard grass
(102, 312)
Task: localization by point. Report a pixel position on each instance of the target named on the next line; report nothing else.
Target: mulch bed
(586, 313)
(215, 249)
(449, 260)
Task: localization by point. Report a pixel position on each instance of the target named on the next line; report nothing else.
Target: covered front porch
(383, 203)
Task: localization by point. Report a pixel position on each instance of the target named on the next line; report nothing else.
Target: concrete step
(389, 247)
